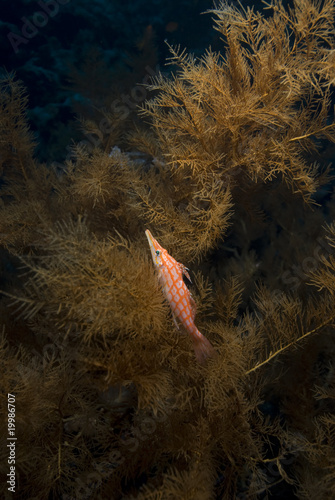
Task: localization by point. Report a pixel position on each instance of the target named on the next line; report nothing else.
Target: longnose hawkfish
(170, 274)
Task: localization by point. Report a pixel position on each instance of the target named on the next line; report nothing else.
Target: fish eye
(157, 252)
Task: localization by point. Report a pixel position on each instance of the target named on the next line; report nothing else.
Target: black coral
(111, 402)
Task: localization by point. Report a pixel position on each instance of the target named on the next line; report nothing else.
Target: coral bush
(228, 170)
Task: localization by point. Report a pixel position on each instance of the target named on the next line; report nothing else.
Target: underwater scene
(167, 239)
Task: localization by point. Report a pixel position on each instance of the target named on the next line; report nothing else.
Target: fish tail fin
(202, 347)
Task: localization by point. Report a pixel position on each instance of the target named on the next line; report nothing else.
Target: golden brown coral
(110, 400)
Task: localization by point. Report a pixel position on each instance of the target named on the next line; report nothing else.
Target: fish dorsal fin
(184, 270)
(193, 306)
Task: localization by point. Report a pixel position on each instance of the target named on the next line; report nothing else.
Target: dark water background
(46, 42)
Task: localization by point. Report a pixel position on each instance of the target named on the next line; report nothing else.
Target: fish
(183, 307)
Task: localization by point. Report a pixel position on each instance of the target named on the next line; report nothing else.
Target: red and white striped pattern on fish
(178, 295)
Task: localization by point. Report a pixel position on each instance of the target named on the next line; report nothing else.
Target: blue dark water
(47, 42)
